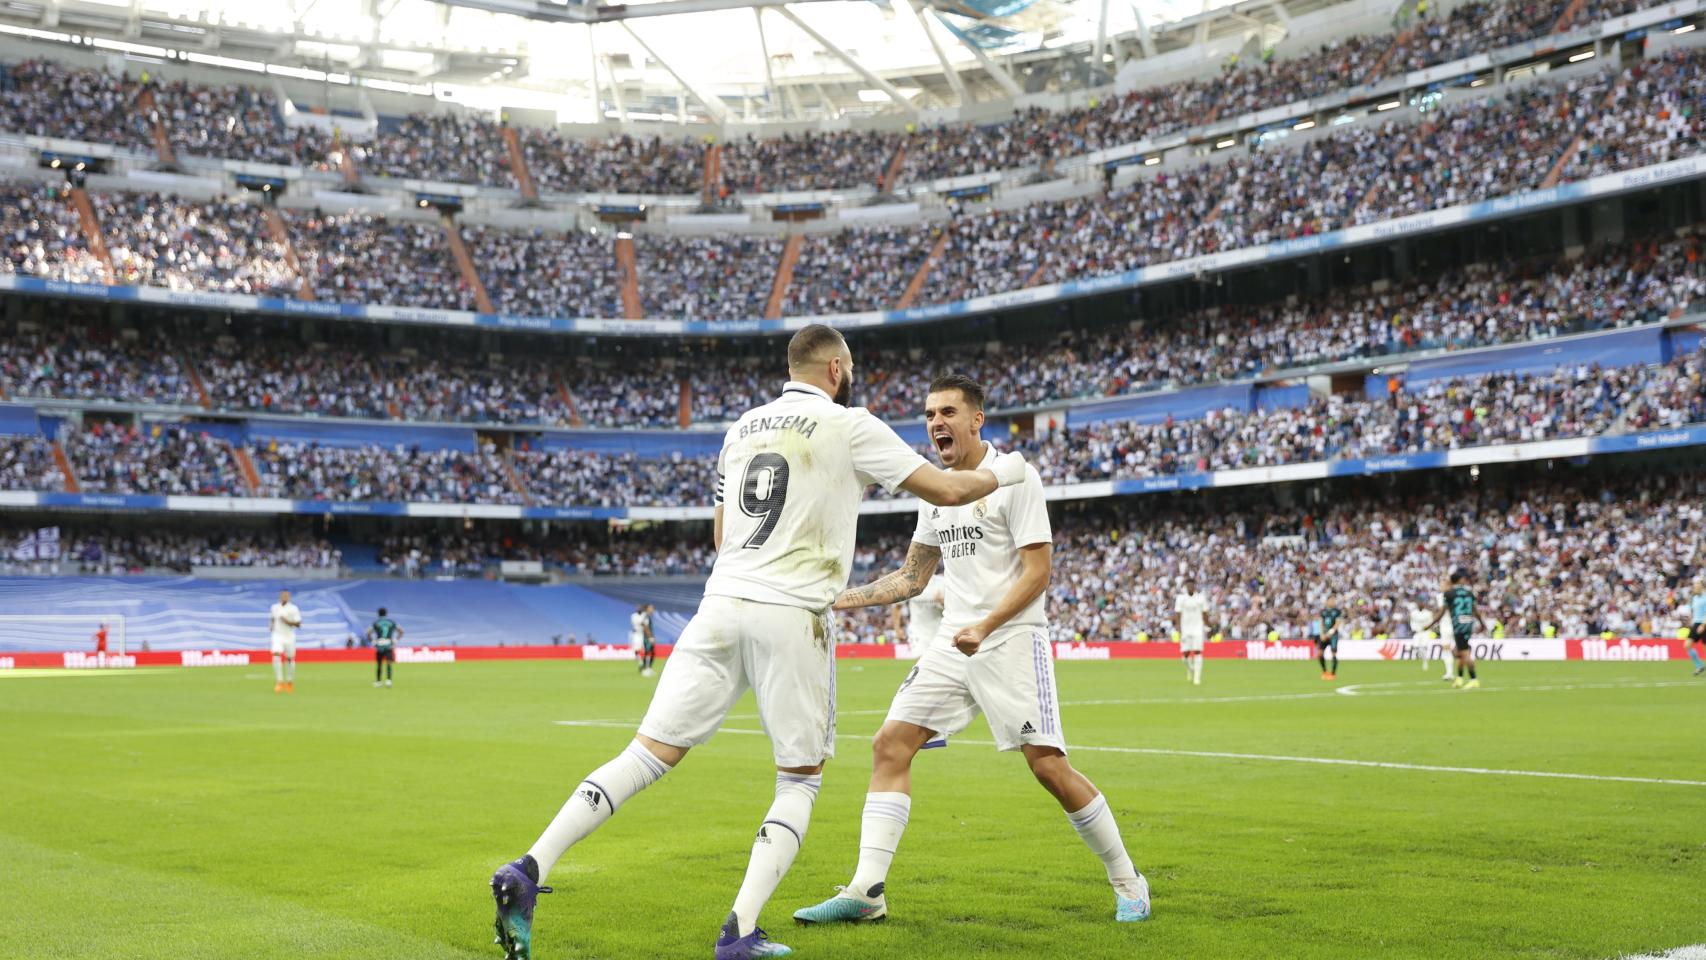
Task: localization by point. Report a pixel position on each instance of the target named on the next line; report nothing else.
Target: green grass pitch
(190, 814)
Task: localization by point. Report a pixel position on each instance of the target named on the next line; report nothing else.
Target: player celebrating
(1460, 604)
(992, 654)
(384, 633)
(1330, 617)
(793, 472)
(1190, 607)
(285, 619)
(1696, 632)
(641, 639)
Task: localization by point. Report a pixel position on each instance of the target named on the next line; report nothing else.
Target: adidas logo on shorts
(1027, 728)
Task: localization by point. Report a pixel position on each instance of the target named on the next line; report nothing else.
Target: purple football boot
(732, 946)
(516, 888)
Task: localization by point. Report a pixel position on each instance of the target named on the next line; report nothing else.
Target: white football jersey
(1420, 619)
(980, 552)
(1190, 608)
(282, 615)
(789, 479)
(637, 625)
(924, 612)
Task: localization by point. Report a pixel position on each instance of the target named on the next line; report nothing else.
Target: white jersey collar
(795, 386)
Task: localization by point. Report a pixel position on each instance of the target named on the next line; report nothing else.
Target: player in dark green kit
(384, 633)
(1460, 606)
(1330, 617)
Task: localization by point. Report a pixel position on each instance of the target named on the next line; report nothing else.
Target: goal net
(67, 633)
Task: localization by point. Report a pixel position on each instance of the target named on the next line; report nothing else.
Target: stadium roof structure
(678, 61)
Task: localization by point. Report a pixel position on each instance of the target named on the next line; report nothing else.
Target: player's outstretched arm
(903, 584)
(1035, 560)
(953, 488)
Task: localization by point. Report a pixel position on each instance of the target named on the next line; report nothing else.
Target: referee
(384, 633)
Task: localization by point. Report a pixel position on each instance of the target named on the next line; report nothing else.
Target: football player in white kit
(283, 621)
(991, 654)
(1421, 623)
(1190, 606)
(640, 637)
(923, 614)
(789, 481)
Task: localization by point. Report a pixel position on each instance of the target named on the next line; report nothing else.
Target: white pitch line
(1226, 755)
(1695, 952)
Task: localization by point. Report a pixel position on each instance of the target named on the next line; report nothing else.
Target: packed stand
(1581, 558)
(707, 278)
(612, 397)
(27, 463)
(856, 269)
(43, 237)
(587, 478)
(47, 99)
(1656, 117)
(468, 553)
(362, 258)
(233, 122)
(309, 471)
(517, 390)
(440, 146)
(219, 246)
(284, 377)
(545, 273)
(1477, 27)
(807, 161)
(152, 458)
(102, 551)
(86, 362)
(619, 164)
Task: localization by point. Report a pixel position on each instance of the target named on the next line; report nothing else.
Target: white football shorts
(1011, 684)
(1191, 642)
(785, 654)
(284, 647)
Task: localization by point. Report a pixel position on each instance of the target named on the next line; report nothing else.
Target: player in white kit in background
(1421, 622)
(991, 654)
(1190, 606)
(923, 614)
(640, 637)
(789, 481)
(282, 623)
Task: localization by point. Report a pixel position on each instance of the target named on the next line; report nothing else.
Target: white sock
(277, 669)
(1196, 668)
(289, 669)
(1095, 824)
(779, 838)
(593, 802)
(879, 837)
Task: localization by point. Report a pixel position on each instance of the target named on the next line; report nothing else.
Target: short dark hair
(968, 388)
(1459, 575)
(810, 342)
(382, 611)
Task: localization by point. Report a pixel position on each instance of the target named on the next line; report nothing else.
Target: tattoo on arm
(903, 584)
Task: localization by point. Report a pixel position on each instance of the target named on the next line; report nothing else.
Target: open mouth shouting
(943, 438)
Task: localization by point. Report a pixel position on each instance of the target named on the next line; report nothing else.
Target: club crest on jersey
(980, 509)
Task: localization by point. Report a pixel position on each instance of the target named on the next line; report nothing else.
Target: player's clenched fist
(968, 640)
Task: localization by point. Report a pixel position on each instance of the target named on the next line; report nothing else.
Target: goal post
(62, 632)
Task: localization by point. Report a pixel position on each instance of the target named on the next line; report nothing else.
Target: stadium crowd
(42, 236)
(706, 278)
(219, 246)
(308, 471)
(539, 273)
(158, 458)
(100, 550)
(659, 552)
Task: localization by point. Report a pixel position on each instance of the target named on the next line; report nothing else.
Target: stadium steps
(197, 382)
(1563, 22)
(465, 264)
(246, 466)
(891, 175)
(347, 168)
(92, 234)
(1035, 276)
(784, 276)
(712, 176)
(684, 403)
(518, 165)
(515, 478)
(64, 462)
(916, 285)
(1557, 172)
(568, 400)
(163, 152)
(281, 235)
(627, 266)
(1398, 40)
